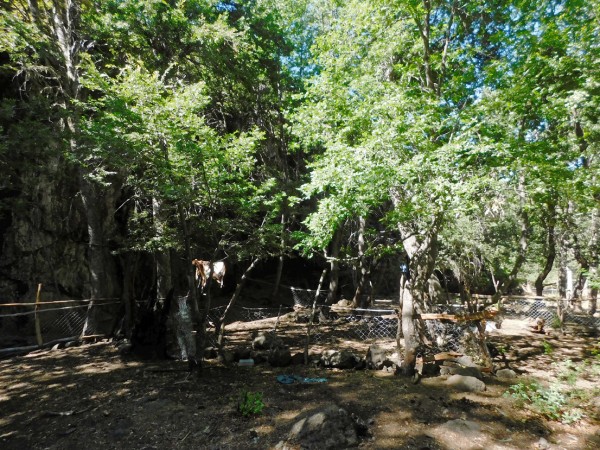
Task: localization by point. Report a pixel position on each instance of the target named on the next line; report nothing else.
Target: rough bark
(421, 251)
(334, 267)
(550, 252)
(162, 258)
(280, 260)
(363, 272)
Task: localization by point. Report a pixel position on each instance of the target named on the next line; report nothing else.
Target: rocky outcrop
(328, 427)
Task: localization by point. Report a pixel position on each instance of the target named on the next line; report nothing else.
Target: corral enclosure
(93, 395)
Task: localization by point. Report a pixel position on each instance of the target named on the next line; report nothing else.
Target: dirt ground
(91, 397)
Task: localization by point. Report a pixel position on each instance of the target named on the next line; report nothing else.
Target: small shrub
(568, 372)
(548, 349)
(502, 349)
(550, 402)
(555, 322)
(250, 403)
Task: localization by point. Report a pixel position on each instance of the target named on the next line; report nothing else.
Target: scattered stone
(243, 353)
(378, 359)
(344, 303)
(228, 357)
(297, 359)
(280, 357)
(466, 361)
(260, 357)
(542, 444)
(506, 374)
(210, 353)
(464, 371)
(428, 369)
(124, 348)
(340, 359)
(466, 383)
(265, 341)
(329, 427)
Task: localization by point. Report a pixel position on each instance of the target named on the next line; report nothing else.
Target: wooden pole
(38, 328)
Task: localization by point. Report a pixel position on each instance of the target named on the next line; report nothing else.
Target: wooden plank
(55, 302)
(487, 314)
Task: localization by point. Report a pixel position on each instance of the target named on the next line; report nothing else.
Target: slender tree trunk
(312, 315)
(280, 261)
(593, 306)
(164, 281)
(425, 31)
(362, 265)
(334, 267)
(196, 363)
(562, 273)
(521, 256)
(220, 325)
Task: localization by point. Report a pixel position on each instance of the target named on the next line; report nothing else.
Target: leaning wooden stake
(38, 328)
(312, 316)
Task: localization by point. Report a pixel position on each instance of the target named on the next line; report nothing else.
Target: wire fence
(546, 308)
(67, 319)
(34, 325)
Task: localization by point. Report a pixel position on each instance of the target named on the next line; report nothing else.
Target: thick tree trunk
(422, 251)
(562, 274)
(103, 277)
(407, 329)
(164, 281)
(550, 252)
(362, 266)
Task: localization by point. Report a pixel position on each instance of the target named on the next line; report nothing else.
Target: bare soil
(91, 397)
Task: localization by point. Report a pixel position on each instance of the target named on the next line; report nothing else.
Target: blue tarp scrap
(290, 379)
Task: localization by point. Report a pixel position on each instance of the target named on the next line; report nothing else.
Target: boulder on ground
(377, 358)
(506, 374)
(340, 359)
(328, 427)
(466, 383)
(280, 357)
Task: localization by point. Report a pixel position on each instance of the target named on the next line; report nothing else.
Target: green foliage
(250, 403)
(550, 402)
(556, 323)
(548, 348)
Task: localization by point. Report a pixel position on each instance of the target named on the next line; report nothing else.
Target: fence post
(38, 329)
